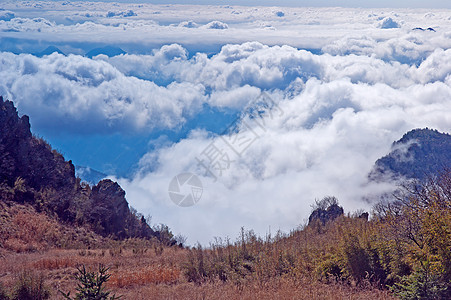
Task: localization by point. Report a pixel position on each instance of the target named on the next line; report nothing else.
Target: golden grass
(147, 275)
(277, 289)
(144, 270)
(23, 229)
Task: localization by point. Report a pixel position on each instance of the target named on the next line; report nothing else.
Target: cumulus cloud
(216, 25)
(188, 24)
(154, 25)
(325, 143)
(128, 13)
(410, 48)
(236, 98)
(265, 67)
(340, 120)
(25, 24)
(87, 95)
(389, 23)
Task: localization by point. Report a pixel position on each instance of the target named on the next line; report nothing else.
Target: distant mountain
(49, 50)
(89, 175)
(418, 154)
(422, 29)
(32, 173)
(109, 51)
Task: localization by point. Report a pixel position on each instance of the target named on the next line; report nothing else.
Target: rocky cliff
(31, 172)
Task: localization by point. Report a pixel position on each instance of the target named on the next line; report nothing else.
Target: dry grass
(29, 241)
(23, 229)
(147, 275)
(277, 289)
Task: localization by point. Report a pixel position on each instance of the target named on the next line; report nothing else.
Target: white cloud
(325, 143)
(437, 67)
(216, 25)
(156, 25)
(389, 23)
(79, 94)
(236, 98)
(188, 24)
(25, 24)
(127, 13)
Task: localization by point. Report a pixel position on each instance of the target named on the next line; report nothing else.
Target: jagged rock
(325, 215)
(30, 158)
(364, 216)
(109, 208)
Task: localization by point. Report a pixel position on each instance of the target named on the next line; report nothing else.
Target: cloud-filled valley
(343, 84)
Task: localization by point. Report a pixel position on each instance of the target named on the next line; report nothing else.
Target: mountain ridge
(419, 154)
(33, 173)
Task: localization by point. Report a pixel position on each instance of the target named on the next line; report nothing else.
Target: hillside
(418, 154)
(35, 175)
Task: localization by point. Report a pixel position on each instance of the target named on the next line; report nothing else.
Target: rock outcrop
(28, 157)
(325, 215)
(32, 172)
(109, 209)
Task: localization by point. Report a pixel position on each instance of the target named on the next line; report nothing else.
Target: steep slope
(32, 173)
(418, 154)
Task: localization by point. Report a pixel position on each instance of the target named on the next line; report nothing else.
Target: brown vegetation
(403, 250)
(150, 276)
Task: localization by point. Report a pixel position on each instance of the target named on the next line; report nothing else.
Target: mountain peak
(418, 154)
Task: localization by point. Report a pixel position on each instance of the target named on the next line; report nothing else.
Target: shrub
(419, 222)
(146, 275)
(330, 268)
(3, 293)
(30, 286)
(90, 286)
(195, 268)
(356, 258)
(422, 284)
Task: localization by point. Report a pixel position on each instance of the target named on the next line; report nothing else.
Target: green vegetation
(91, 285)
(30, 286)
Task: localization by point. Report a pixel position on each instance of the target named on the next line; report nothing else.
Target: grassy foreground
(404, 250)
(143, 273)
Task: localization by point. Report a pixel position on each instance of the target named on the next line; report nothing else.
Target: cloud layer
(164, 89)
(141, 27)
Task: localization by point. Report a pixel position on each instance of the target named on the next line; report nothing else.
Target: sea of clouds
(343, 85)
